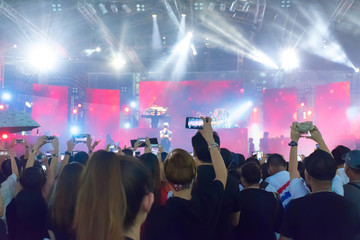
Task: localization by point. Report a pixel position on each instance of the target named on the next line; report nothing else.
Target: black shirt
(260, 215)
(183, 219)
(322, 215)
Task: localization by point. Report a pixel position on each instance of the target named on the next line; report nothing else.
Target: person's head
(320, 168)
(6, 167)
(180, 169)
(81, 157)
(352, 165)
(32, 178)
(128, 152)
(266, 134)
(151, 163)
(250, 174)
(201, 148)
(65, 196)
(117, 188)
(338, 154)
(227, 156)
(251, 140)
(276, 164)
(166, 125)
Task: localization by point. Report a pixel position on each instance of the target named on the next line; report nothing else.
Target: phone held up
(194, 123)
(80, 138)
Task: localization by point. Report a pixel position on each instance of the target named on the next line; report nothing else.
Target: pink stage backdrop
(50, 109)
(103, 113)
(331, 106)
(188, 98)
(279, 108)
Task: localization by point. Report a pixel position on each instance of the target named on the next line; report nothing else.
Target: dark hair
(128, 152)
(65, 197)
(264, 171)
(163, 156)
(6, 167)
(32, 178)
(320, 165)
(179, 167)
(338, 154)
(252, 160)
(276, 160)
(251, 172)
(81, 157)
(227, 156)
(201, 148)
(241, 159)
(151, 163)
(137, 183)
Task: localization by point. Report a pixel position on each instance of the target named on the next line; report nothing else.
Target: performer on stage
(251, 147)
(165, 136)
(264, 143)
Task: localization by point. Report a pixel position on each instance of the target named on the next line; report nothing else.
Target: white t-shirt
(341, 173)
(299, 189)
(280, 182)
(8, 188)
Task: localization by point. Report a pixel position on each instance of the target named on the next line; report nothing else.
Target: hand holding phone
(80, 138)
(194, 123)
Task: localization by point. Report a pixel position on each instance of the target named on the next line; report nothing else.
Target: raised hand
(207, 131)
(55, 144)
(294, 133)
(316, 135)
(70, 145)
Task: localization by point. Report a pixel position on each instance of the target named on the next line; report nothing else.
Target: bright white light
(28, 104)
(118, 62)
(42, 57)
(6, 96)
(154, 15)
(189, 35)
(133, 104)
(356, 70)
(183, 15)
(289, 59)
(98, 49)
(127, 125)
(74, 130)
(239, 112)
(194, 52)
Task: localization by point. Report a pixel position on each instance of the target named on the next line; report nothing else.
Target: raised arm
(293, 163)
(50, 179)
(317, 137)
(14, 168)
(39, 143)
(91, 146)
(69, 150)
(27, 152)
(216, 158)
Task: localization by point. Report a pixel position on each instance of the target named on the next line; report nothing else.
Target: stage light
(42, 57)
(91, 8)
(133, 104)
(6, 96)
(127, 125)
(126, 109)
(255, 110)
(126, 8)
(79, 105)
(302, 104)
(103, 8)
(74, 111)
(118, 62)
(246, 6)
(4, 136)
(183, 15)
(356, 70)
(211, 6)
(233, 6)
(309, 112)
(114, 8)
(154, 15)
(97, 49)
(194, 52)
(2, 107)
(222, 7)
(74, 130)
(289, 59)
(28, 104)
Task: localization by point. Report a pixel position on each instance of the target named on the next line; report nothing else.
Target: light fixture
(114, 8)
(211, 6)
(234, 6)
(222, 7)
(103, 8)
(126, 8)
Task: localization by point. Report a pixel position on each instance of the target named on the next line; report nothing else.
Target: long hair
(151, 163)
(101, 203)
(65, 197)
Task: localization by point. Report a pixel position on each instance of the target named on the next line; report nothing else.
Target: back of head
(227, 156)
(251, 173)
(320, 165)
(338, 153)
(276, 160)
(137, 183)
(151, 163)
(81, 157)
(128, 152)
(179, 167)
(201, 148)
(101, 193)
(32, 178)
(65, 197)
(6, 167)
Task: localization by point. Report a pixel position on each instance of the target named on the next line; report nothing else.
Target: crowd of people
(112, 195)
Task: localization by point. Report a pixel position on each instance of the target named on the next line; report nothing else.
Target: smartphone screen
(49, 139)
(19, 141)
(154, 149)
(48, 154)
(80, 138)
(113, 148)
(194, 123)
(143, 140)
(259, 154)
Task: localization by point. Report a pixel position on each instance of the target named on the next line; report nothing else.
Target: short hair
(201, 147)
(227, 156)
(251, 172)
(338, 154)
(276, 160)
(81, 157)
(32, 178)
(321, 165)
(179, 167)
(128, 152)
(241, 159)
(252, 160)
(165, 124)
(6, 166)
